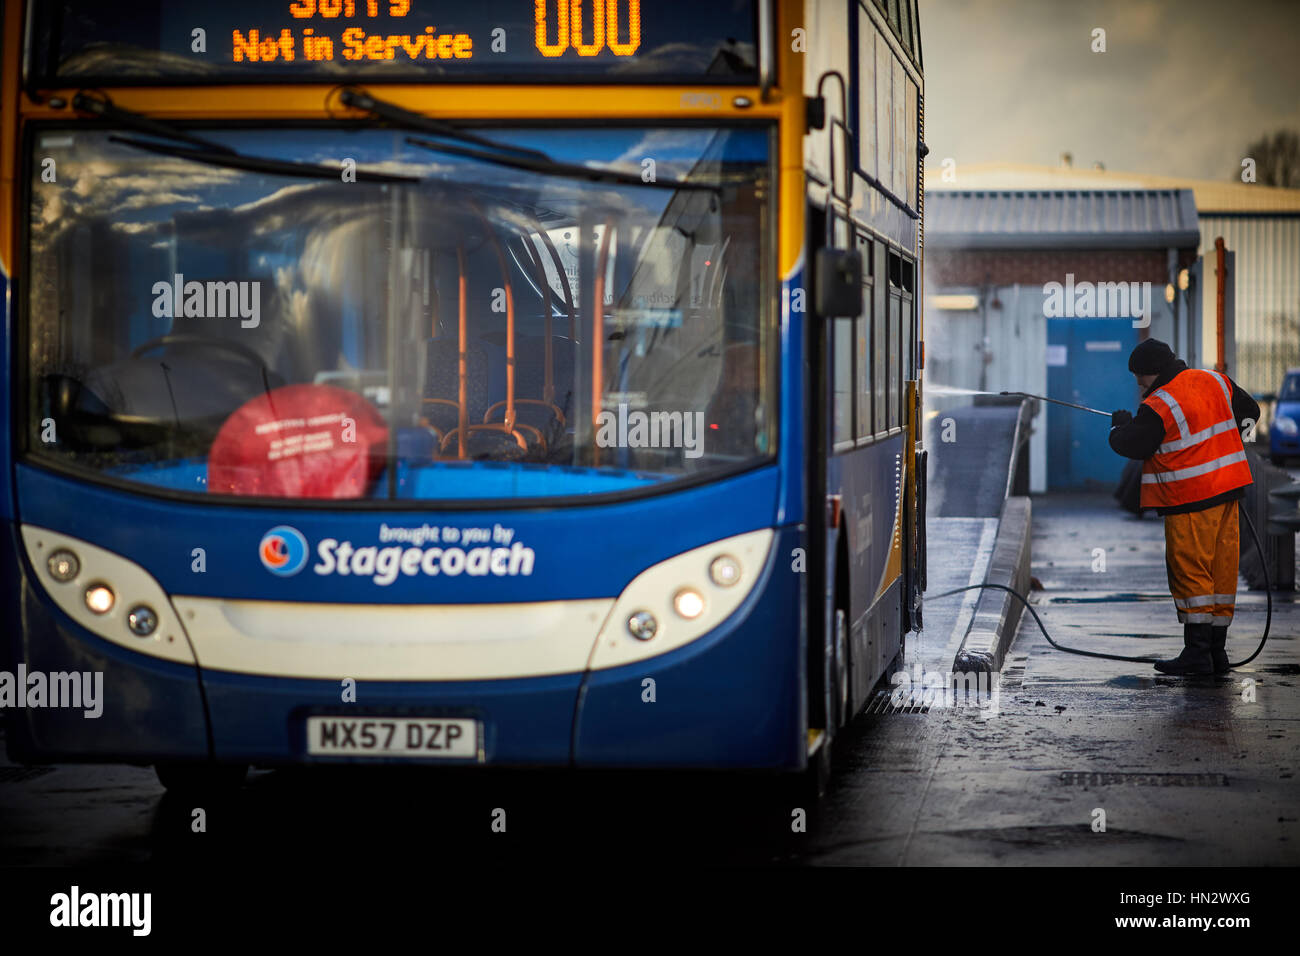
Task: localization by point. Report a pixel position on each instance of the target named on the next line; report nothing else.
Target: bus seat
(551, 418)
(442, 383)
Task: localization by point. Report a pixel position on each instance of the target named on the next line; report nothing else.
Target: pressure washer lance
(1057, 401)
(1268, 586)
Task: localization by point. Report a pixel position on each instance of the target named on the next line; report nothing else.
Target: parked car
(1284, 432)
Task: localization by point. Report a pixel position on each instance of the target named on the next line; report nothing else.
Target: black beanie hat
(1151, 358)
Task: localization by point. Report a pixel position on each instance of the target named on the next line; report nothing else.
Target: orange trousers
(1201, 551)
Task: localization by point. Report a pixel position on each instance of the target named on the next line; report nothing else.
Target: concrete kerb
(997, 613)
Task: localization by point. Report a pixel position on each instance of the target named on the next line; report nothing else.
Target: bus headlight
(142, 620)
(96, 588)
(688, 603)
(63, 565)
(642, 625)
(682, 598)
(725, 571)
(100, 598)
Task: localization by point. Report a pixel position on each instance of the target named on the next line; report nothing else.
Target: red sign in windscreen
(299, 441)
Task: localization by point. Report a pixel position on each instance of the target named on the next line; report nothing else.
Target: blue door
(1087, 363)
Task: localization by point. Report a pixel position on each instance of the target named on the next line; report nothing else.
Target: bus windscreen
(195, 41)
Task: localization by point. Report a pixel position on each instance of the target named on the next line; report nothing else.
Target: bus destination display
(247, 40)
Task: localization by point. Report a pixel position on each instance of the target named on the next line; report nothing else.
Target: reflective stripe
(1205, 434)
(1204, 600)
(1174, 409)
(1195, 471)
(1183, 618)
(1227, 395)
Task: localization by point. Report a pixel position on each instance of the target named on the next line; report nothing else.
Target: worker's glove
(1120, 417)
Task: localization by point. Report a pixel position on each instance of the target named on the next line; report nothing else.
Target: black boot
(1195, 658)
(1218, 648)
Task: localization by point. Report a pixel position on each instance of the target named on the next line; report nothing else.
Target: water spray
(953, 390)
(1057, 401)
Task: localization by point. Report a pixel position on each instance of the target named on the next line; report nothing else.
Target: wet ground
(1186, 772)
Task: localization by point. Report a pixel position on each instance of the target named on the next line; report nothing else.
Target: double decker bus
(526, 382)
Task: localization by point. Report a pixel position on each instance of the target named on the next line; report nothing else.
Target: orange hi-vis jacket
(1202, 454)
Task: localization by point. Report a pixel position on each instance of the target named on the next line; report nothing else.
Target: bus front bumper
(730, 698)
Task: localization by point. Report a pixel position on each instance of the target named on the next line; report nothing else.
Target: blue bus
(535, 384)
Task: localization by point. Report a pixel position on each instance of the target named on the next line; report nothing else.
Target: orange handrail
(462, 364)
(548, 386)
(508, 425)
(598, 330)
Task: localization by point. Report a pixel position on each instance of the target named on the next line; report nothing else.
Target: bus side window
(879, 340)
(895, 337)
(866, 94)
(884, 115)
(908, 332)
(842, 356)
(865, 419)
(843, 378)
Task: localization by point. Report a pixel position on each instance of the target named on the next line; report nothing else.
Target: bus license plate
(417, 737)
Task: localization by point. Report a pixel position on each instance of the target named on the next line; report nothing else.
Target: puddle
(1108, 598)
(1132, 682)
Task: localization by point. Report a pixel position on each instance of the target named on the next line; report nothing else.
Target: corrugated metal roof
(1211, 194)
(1061, 218)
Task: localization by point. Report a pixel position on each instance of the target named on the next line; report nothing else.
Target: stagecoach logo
(283, 551)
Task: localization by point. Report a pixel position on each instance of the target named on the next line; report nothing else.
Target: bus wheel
(201, 777)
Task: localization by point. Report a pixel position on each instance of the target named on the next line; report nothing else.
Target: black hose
(1268, 587)
(1268, 620)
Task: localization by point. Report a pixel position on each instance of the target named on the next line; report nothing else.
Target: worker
(1187, 433)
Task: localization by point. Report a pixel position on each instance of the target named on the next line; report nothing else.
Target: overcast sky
(1183, 87)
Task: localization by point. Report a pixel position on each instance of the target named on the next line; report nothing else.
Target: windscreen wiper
(202, 150)
(400, 116)
(553, 167)
(104, 108)
(260, 164)
(502, 154)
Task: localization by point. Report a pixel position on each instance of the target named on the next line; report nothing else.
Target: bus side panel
(732, 699)
(149, 709)
(869, 487)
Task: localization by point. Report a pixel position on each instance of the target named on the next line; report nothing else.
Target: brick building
(1047, 292)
